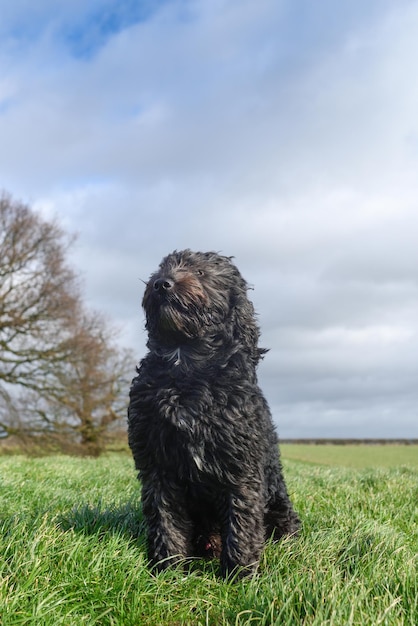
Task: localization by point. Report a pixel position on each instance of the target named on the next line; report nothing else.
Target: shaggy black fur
(200, 429)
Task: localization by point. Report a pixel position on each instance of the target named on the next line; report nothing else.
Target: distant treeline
(346, 442)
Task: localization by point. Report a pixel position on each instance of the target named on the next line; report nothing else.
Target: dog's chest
(185, 403)
(189, 428)
(186, 419)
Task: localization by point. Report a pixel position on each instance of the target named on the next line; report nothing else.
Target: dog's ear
(244, 325)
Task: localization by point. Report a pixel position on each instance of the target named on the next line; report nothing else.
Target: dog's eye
(200, 272)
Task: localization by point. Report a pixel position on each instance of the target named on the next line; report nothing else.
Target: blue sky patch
(87, 36)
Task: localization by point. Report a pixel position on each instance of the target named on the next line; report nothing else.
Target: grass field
(358, 456)
(72, 549)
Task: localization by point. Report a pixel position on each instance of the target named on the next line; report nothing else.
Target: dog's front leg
(168, 527)
(242, 532)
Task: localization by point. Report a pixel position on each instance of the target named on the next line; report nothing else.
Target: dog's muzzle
(163, 285)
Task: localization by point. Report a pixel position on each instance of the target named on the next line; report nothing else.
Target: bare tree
(87, 391)
(61, 373)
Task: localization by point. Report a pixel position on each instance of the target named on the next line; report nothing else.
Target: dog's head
(197, 295)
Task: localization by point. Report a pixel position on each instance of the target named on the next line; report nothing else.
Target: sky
(281, 132)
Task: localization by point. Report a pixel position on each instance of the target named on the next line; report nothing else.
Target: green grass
(72, 552)
(358, 456)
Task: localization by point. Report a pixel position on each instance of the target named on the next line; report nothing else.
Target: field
(72, 547)
(358, 456)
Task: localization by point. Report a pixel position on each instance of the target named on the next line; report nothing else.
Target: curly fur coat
(199, 427)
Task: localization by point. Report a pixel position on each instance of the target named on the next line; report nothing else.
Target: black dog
(200, 429)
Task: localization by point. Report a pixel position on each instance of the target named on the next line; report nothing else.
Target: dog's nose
(163, 284)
